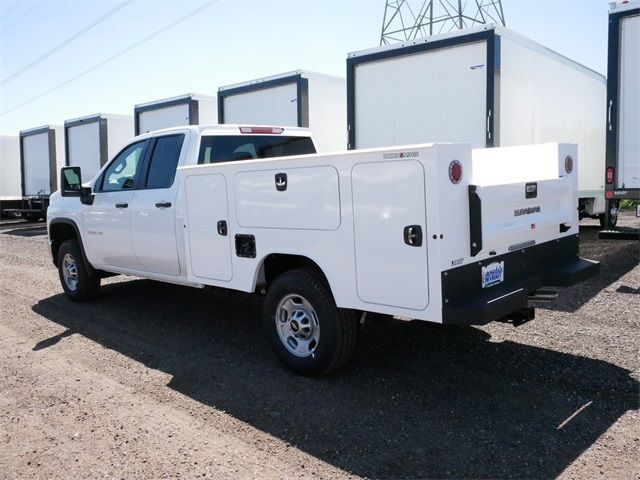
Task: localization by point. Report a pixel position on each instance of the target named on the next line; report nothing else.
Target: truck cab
(128, 222)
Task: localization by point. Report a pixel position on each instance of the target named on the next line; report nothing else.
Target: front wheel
(308, 332)
(79, 282)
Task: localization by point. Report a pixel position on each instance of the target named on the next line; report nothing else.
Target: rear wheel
(79, 282)
(32, 217)
(308, 332)
(613, 206)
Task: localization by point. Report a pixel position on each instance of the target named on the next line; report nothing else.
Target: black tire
(337, 327)
(613, 206)
(87, 282)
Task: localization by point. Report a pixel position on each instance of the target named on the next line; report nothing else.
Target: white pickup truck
(433, 232)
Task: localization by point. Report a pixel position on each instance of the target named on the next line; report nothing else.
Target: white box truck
(488, 86)
(41, 158)
(326, 238)
(92, 140)
(189, 109)
(622, 176)
(10, 190)
(296, 99)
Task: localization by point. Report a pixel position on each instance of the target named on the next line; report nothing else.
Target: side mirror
(70, 182)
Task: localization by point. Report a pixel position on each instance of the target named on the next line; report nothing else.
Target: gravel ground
(161, 381)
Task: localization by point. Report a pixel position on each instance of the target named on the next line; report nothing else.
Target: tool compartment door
(388, 197)
(209, 251)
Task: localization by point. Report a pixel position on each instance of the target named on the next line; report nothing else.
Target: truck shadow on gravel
(417, 400)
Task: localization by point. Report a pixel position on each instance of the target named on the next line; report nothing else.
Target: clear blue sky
(229, 42)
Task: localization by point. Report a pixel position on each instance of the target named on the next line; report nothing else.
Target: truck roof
(621, 6)
(233, 129)
(256, 82)
(498, 29)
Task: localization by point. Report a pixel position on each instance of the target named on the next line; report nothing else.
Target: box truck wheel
(613, 206)
(32, 217)
(77, 281)
(308, 332)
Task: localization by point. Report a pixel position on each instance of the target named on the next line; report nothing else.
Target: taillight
(568, 164)
(610, 172)
(455, 171)
(264, 130)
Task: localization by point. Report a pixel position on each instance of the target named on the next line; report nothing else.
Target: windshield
(221, 148)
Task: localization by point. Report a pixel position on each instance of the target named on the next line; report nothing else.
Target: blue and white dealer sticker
(492, 274)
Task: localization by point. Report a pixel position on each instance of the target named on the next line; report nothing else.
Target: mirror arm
(86, 197)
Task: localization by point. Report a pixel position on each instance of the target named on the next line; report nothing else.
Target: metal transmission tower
(406, 20)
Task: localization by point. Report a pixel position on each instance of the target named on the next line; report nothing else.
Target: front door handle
(122, 205)
(163, 204)
(413, 235)
(222, 228)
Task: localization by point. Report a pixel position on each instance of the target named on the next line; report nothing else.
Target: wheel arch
(276, 264)
(60, 230)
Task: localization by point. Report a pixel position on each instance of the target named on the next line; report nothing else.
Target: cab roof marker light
(262, 130)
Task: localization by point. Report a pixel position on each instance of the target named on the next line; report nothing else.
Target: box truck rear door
(276, 105)
(36, 157)
(628, 138)
(432, 96)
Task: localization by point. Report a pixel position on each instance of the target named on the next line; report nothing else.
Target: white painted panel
(210, 252)
(546, 99)
(311, 200)
(267, 106)
(436, 96)
(35, 150)
(328, 113)
(389, 272)
(10, 168)
(174, 116)
(120, 130)
(629, 121)
(83, 142)
(207, 111)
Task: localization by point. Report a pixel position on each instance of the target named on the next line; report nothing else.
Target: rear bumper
(554, 263)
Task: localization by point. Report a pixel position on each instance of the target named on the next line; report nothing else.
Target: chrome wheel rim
(297, 325)
(613, 213)
(70, 272)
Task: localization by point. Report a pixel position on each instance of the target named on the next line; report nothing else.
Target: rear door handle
(413, 235)
(122, 205)
(163, 204)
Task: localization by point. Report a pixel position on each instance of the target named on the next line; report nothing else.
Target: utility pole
(410, 19)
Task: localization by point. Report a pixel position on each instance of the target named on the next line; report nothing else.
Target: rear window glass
(164, 161)
(220, 148)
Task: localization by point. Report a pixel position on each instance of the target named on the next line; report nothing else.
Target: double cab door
(131, 223)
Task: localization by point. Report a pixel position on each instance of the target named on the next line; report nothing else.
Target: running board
(543, 295)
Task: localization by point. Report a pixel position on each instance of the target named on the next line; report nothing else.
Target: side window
(164, 161)
(124, 170)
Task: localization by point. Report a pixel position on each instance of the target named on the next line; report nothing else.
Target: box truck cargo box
(191, 109)
(91, 141)
(297, 99)
(622, 175)
(10, 168)
(487, 86)
(41, 157)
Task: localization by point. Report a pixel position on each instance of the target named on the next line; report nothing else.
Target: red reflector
(610, 175)
(609, 194)
(455, 171)
(568, 164)
(262, 130)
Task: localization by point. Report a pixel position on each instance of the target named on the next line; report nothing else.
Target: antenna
(407, 20)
